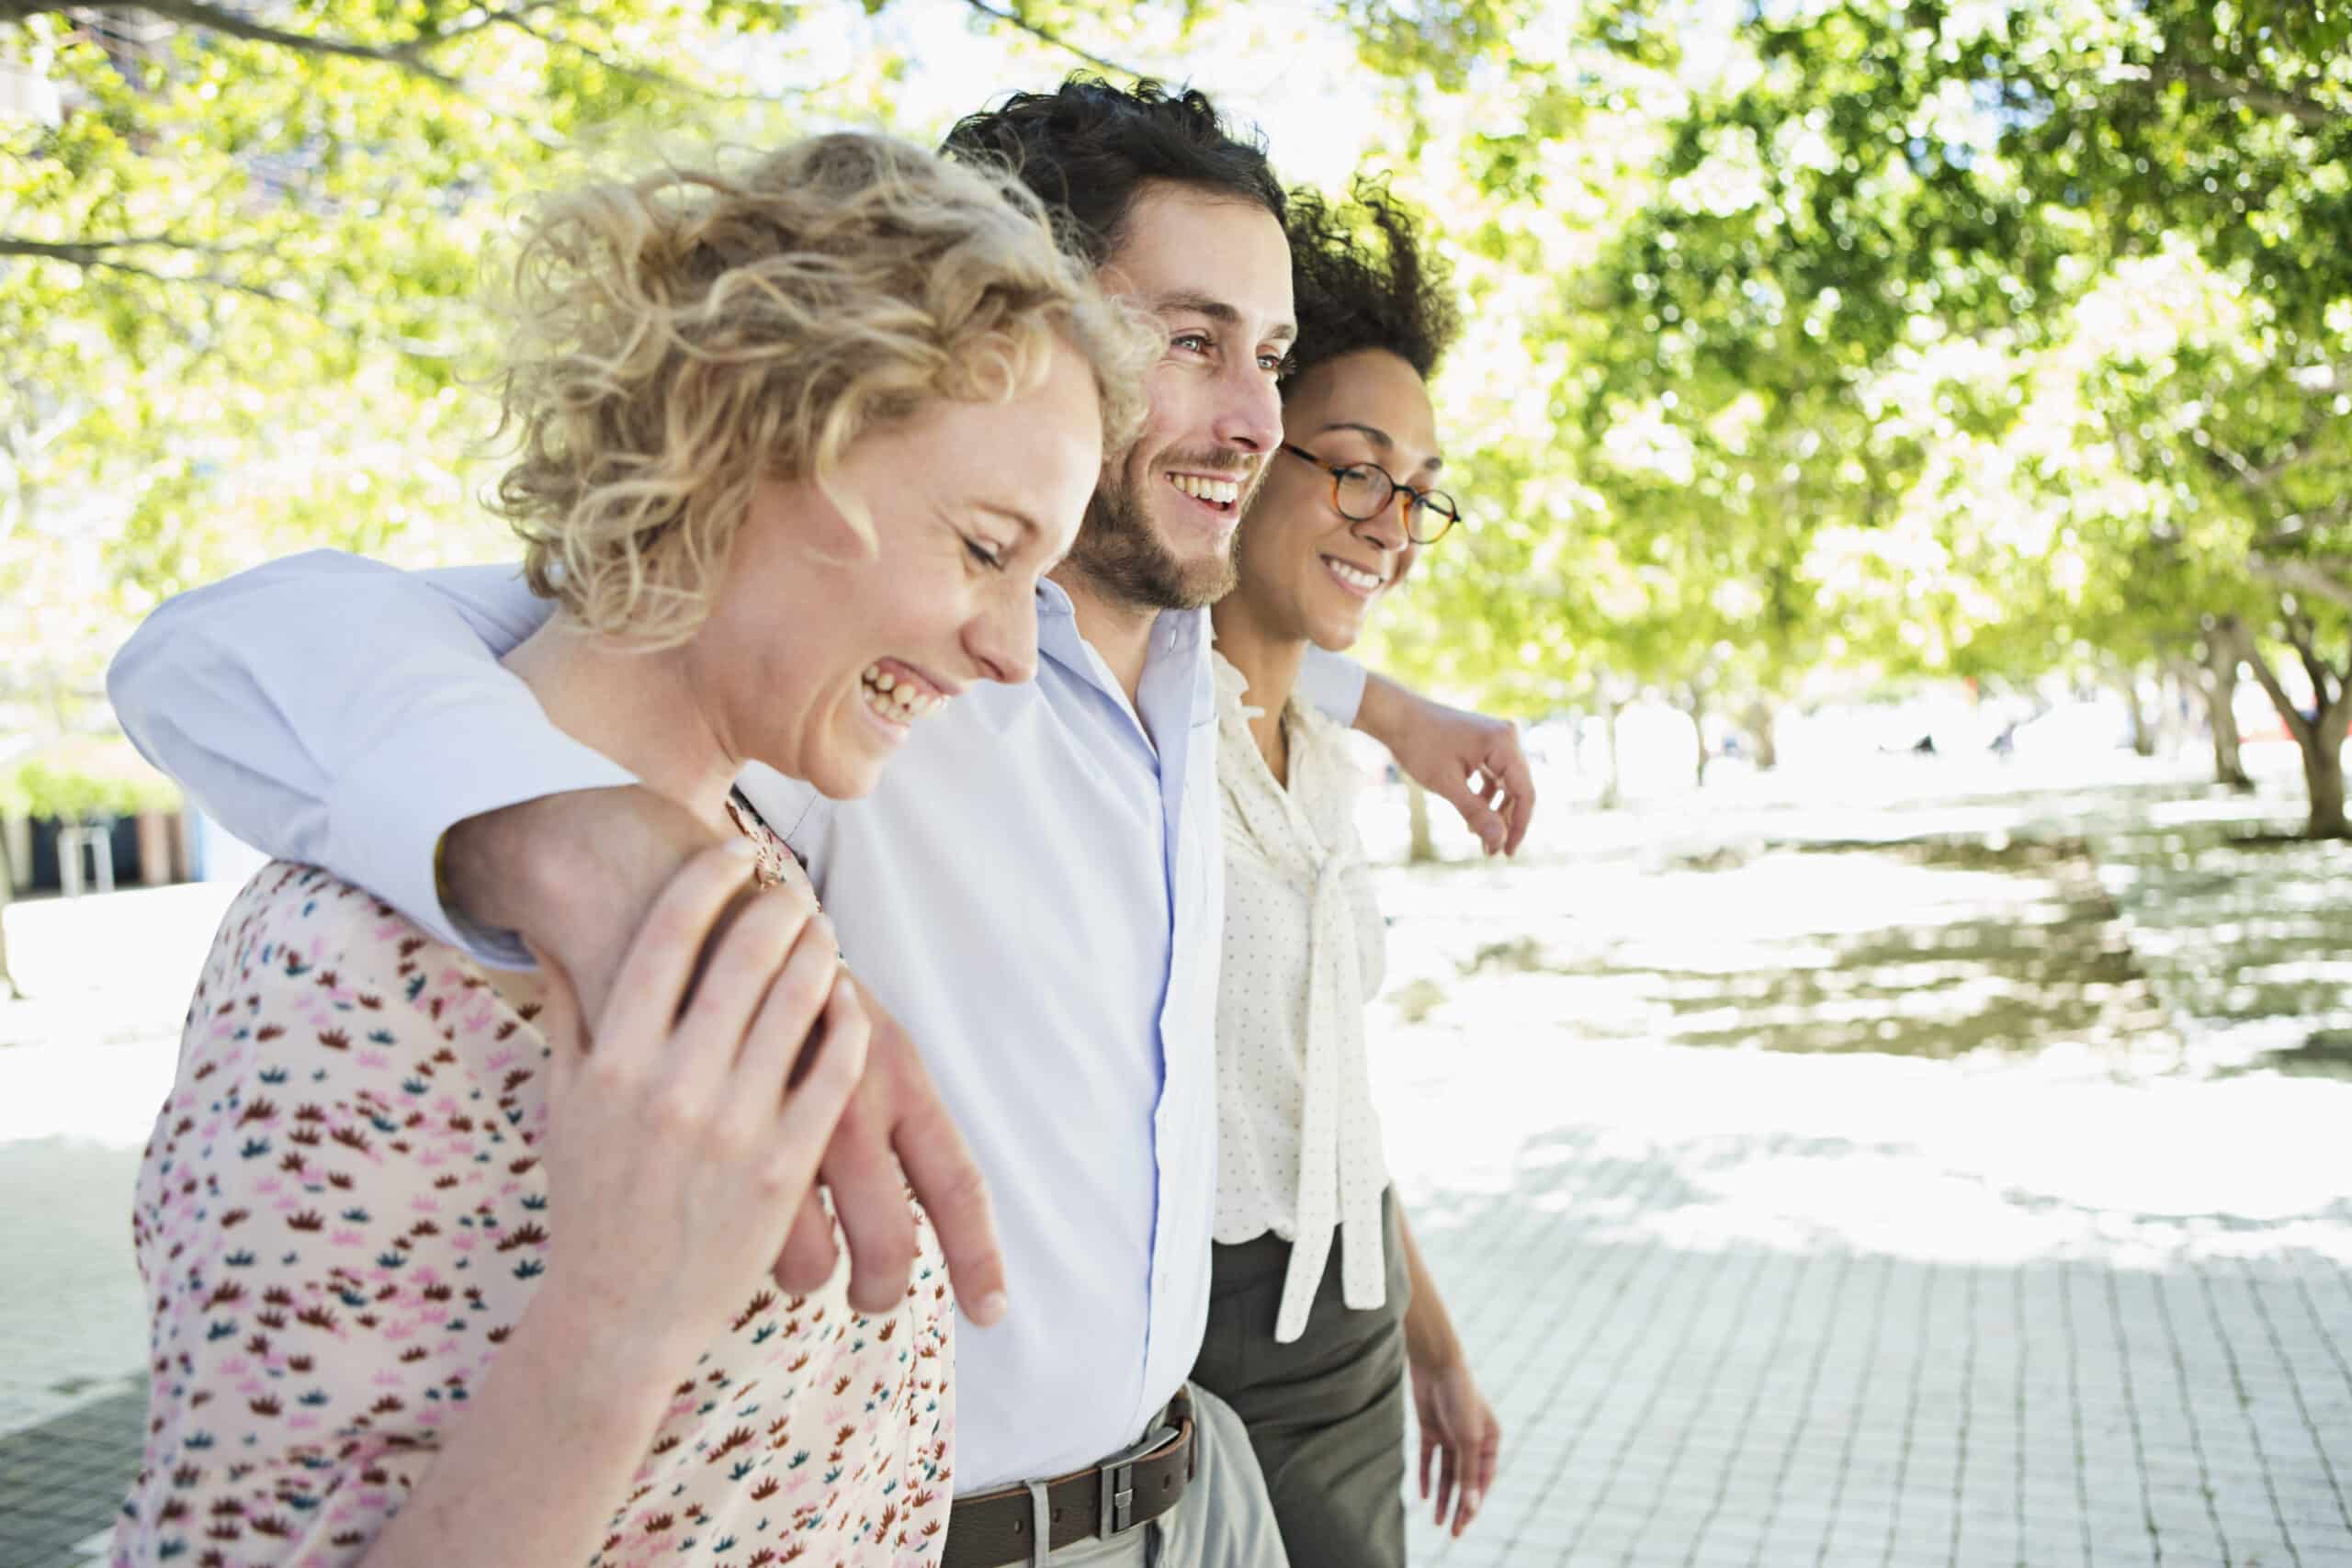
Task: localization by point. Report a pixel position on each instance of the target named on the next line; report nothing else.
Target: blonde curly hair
(679, 338)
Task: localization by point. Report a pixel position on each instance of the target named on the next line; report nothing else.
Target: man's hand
(895, 1121)
(1474, 761)
(576, 875)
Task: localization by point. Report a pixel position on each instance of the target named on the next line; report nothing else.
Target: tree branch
(409, 54)
(91, 252)
(2298, 724)
(201, 279)
(2328, 683)
(2303, 576)
(2207, 83)
(1049, 36)
(519, 19)
(406, 56)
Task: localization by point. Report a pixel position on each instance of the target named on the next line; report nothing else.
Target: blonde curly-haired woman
(441, 1272)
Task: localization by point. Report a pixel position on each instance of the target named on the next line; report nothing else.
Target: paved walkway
(1756, 1311)
(1734, 1307)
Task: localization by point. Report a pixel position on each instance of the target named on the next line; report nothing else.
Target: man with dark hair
(1032, 892)
(1088, 149)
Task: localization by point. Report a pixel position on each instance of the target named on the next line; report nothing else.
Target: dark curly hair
(1086, 149)
(1362, 280)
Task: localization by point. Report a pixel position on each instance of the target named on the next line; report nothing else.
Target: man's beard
(1120, 554)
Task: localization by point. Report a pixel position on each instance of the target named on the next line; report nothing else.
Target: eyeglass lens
(1366, 491)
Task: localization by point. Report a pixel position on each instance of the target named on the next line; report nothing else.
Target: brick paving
(1736, 1309)
(1698, 1361)
(1701, 1362)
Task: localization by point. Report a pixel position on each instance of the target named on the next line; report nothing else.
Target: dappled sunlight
(1916, 1160)
(1914, 949)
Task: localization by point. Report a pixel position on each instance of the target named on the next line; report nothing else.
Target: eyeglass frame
(1416, 498)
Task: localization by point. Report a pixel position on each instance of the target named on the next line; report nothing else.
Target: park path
(2082, 1305)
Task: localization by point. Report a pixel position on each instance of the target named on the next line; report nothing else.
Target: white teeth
(1224, 491)
(897, 700)
(1355, 576)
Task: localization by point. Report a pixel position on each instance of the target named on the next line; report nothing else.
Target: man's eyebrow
(1215, 310)
(1378, 437)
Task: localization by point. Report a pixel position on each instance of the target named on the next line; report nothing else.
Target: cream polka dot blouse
(1298, 1143)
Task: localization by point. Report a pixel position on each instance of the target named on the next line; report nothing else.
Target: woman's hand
(524, 867)
(1457, 1422)
(680, 1146)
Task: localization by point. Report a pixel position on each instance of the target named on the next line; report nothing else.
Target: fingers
(808, 1255)
(870, 1200)
(798, 992)
(1488, 826)
(946, 1176)
(1466, 1504)
(1429, 1449)
(1517, 786)
(815, 1105)
(746, 968)
(651, 984)
(1445, 1481)
(1482, 1481)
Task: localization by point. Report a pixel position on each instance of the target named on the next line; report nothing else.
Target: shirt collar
(1175, 632)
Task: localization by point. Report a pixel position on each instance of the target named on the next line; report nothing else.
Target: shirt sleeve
(1333, 684)
(337, 712)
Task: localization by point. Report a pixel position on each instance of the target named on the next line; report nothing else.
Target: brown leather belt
(1103, 1500)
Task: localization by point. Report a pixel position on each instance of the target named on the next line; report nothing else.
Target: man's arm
(336, 711)
(1474, 761)
(329, 709)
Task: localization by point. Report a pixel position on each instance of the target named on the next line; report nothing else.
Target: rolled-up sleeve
(1332, 686)
(341, 713)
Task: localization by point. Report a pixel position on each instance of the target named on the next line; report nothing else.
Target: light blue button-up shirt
(1035, 890)
(1052, 855)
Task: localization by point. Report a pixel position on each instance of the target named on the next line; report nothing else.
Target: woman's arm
(314, 1423)
(1455, 1420)
(545, 1452)
(676, 1160)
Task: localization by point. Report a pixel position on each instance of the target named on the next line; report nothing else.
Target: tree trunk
(2215, 679)
(1762, 727)
(2318, 736)
(2323, 774)
(8, 987)
(1695, 703)
(2143, 733)
(1612, 794)
(1420, 849)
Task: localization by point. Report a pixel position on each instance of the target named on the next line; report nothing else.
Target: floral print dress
(342, 1214)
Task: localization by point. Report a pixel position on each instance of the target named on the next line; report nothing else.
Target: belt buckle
(1116, 1514)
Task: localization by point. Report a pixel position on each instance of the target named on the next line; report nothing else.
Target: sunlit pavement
(2067, 1287)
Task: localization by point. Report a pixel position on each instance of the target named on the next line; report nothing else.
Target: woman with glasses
(1319, 1305)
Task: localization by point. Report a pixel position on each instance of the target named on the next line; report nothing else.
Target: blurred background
(1908, 452)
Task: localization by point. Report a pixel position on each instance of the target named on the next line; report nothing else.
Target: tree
(1893, 175)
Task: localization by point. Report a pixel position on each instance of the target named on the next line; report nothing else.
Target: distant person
(433, 1279)
(1320, 1309)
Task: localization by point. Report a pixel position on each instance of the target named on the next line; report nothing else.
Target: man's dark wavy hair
(1362, 279)
(1088, 149)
